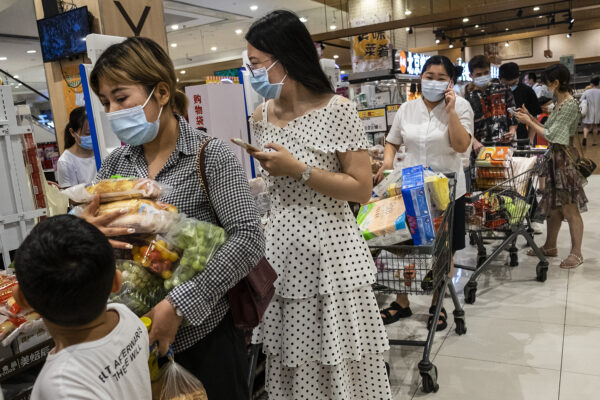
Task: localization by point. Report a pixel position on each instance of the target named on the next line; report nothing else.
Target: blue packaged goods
(421, 229)
(414, 192)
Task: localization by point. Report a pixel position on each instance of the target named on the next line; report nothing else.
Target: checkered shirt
(203, 300)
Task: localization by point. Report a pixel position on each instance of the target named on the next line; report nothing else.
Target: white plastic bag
(117, 189)
(179, 384)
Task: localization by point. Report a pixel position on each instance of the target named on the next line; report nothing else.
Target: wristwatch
(177, 310)
(306, 174)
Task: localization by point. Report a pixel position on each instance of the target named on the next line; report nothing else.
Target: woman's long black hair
(77, 119)
(282, 34)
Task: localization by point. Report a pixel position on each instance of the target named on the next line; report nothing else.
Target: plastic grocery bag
(176, 383)
(117, 189)
(140, 291)
(199, 241)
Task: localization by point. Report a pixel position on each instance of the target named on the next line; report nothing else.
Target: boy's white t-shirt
(114, 367)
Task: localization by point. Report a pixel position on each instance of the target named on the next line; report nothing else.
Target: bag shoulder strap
(201, 168)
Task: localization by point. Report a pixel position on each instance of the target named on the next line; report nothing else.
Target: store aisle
(526, 340)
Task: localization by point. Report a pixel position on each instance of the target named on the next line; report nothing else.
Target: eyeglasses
(253, 66)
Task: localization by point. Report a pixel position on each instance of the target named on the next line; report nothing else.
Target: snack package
(439, 191)
(494, 157)
(117, 189)
(383, 222)
(380, 190)
(414, 192)
(198, 241)
(158, 256)
(140, 291)
(145, 216)
(176, 383)
(23, 324)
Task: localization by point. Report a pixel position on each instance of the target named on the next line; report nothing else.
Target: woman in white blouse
(436, 130)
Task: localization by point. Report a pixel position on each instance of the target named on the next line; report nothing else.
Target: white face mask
(131, 126)
(550, 107)
(433, 91)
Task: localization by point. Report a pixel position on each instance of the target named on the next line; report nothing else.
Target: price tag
(390, 112)
(374, 120)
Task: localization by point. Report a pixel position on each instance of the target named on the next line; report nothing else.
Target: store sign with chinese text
(371, 51)
(197, 109)
(374, 120)
(410, 63)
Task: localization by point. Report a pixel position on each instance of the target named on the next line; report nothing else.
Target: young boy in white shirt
(66, 271)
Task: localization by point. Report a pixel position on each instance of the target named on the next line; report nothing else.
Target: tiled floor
(526, 340)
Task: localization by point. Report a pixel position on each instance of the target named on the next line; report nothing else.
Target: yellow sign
(378, 112)
(393, 107)
(372, 46)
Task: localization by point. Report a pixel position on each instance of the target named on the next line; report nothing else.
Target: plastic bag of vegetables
(198, 241)
(141, 290)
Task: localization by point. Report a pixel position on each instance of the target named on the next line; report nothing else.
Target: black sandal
(443, 318)
(401, 312)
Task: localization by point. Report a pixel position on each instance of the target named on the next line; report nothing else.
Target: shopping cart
(501, 210)
(422, 270)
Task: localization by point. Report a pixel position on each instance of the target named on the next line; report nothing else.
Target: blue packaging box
(421, 229)
(414, 192)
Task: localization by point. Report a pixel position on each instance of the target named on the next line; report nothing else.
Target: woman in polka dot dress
(322, 333)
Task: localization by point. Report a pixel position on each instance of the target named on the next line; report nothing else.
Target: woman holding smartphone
(437, 130)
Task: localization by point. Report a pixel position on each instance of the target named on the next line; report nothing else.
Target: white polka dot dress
(322, 334)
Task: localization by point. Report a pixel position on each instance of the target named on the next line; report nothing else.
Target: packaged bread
(116, 189)
(143, 215)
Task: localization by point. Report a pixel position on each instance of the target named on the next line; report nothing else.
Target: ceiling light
(333, 27)
(506, 29)
(569, 35)
(407, 28)
(437, 41)
(335, 56)
(174, 27)
(302, 19)
(173, 44)
(483, 30)
(342, 72)
(465, 19)
(253, 7)
(3, 58)
(541, 16)
(476, 25)
(238, 31)
(16, 76)
(214, 48)
(407, 12)
(572, 20)
(506, 44)
(451, 46)
(177, 79)
(536, 8)
(31, 51)
(182, 72)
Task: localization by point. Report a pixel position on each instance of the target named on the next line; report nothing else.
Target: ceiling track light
(507, 44)
(520, 13)
(569, 35)
(410, 30)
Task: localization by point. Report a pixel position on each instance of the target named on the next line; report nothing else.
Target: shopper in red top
(490, 102)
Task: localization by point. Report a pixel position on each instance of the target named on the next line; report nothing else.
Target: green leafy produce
(141, 290)
(199, 241)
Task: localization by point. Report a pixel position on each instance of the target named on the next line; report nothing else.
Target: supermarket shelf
(16, 364)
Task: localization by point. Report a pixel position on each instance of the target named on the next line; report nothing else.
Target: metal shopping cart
(422, 270)
(501, 210)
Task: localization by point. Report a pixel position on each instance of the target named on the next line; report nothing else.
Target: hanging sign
(374, 120)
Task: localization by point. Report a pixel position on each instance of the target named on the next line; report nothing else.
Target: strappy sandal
(547, 252)
(400, 312)
(443, 318)
(565, 265)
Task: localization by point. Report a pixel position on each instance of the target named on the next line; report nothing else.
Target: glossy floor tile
(525, 339)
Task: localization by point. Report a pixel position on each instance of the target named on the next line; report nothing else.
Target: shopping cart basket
(422, 270)
(503, 206)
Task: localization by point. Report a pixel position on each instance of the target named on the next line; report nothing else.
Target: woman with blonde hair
(135, 81)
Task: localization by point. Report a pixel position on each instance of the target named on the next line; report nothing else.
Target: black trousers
(220, 361)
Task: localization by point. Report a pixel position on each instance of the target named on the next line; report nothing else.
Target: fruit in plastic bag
(157, 256)
(176, 383)
(140, 291)
(199, 241)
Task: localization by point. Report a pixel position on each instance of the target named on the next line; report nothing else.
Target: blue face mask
(513, 87)
(433, 91)
(259, 79)
(482, 81)
(132, 127)
(86, 142)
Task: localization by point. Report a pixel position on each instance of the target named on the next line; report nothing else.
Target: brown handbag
(249, 299)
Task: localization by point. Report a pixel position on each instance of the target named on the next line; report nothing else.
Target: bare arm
(460, 139)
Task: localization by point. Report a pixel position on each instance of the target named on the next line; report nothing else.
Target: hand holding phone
(245, 145)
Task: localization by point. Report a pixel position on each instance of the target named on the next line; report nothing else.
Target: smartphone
(245, 145)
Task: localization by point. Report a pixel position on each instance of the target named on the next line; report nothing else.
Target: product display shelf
(20, 190)
(20, 362)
